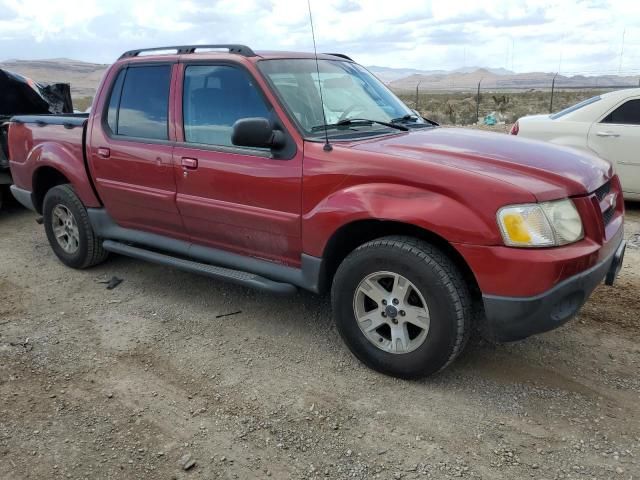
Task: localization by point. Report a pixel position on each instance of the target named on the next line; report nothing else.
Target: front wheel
(68, 229)
(402, 306)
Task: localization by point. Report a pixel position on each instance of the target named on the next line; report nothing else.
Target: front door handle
(104, 152)
(607, 134)
(189, 163)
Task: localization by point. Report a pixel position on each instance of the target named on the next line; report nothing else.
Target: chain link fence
(503, 105)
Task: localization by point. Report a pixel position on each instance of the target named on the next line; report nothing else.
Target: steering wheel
(350, 109)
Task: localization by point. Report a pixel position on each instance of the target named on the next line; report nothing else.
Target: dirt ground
(123, 383)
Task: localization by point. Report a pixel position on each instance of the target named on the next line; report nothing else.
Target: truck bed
(68, 120)
(27, 132)
(64, 129)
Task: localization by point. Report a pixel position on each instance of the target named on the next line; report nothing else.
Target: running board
(235, 276)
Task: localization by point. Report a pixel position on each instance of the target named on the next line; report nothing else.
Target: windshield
(348, 90)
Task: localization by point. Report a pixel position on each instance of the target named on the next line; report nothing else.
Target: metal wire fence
(468, 106)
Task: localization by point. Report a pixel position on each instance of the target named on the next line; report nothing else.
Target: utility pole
(513, 49)
(506, 57)
(553, 85)
(478, 103)
(561, 52)
(417, 96)
(622, 51)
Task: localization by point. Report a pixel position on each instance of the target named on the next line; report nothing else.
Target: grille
(608, 215)
(603, 191)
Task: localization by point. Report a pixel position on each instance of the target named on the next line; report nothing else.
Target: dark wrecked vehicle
(21, 95)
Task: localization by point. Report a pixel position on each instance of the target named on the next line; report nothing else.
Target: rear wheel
(68, 229)
(402, 306)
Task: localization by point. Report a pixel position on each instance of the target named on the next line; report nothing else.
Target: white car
(607, 125)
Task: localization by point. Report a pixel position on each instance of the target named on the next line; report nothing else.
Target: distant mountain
(468, 80)
(495, 71)
(389, 74)
(83, 77)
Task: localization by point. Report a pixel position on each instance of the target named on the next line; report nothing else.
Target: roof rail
(341, 55)
(185, 49)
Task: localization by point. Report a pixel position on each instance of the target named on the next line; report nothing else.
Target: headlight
(546, 224)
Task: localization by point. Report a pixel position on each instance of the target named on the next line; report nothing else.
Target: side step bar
(235, 276)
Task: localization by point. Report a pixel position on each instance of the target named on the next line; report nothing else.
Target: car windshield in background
(575, 107)
(349, 92)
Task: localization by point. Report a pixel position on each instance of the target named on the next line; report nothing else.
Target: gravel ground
(174, 376)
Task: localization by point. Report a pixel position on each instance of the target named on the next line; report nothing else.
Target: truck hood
(547, 171)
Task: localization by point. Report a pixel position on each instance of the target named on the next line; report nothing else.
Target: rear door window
(142, 109)
(626, 114)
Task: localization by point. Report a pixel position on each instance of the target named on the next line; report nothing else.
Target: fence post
(553, 86)
(478, 103)
(417, 96)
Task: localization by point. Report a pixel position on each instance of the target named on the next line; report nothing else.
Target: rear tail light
(515, 129)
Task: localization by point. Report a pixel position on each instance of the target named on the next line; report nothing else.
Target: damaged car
(20, 95)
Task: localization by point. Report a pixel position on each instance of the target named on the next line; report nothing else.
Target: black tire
(5, 196)
(89, 251)
(439, 282)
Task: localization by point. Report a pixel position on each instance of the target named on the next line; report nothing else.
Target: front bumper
(514, 318)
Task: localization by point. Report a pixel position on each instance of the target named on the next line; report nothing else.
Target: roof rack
(186, 49)
(341, 55)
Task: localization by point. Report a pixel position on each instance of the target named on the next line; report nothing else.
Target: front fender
(443, 215)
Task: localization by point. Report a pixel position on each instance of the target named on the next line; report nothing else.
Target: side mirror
(256, 132)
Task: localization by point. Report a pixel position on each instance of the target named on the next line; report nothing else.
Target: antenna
(327, 146)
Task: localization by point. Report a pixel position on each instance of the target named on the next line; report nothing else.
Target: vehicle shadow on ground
(10, 206)
(307, 314)
(632, 206)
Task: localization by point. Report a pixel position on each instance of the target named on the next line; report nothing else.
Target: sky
(580, 36)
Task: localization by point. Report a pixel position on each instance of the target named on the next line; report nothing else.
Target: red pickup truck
(273, 171)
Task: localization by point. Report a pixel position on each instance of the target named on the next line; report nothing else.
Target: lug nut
(384, 314)
(402, 313)
(384, 302)
(395, 321)
(395, 301)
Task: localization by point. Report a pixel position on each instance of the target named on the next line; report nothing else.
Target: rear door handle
(104, 152)
(189, 163)
(607, 134)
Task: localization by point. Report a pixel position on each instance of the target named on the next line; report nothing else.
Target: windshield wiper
(361, 121)
(414, 120)
(405, 118)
